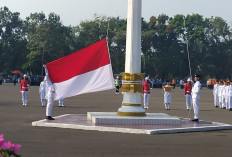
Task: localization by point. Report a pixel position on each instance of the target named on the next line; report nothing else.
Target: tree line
(168, 43)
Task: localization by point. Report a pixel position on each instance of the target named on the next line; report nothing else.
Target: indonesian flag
(85, 71)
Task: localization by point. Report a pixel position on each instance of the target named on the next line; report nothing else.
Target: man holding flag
(85, 71)
(50, 91)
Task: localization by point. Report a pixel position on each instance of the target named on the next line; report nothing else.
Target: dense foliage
(28, 44)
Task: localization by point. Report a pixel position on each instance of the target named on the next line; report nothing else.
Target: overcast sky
(72, 12)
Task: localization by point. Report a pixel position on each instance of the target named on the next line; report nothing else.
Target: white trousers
(196, 108)
(167, 97)
(146, 97)
(227, 101)
(230, 102)
(167, 105)
(24, 97)
(216, 100)
(220, 101)
(50, 102)
(188, 101)
(223, 101)
(61, 101)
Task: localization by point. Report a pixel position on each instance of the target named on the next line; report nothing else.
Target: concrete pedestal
(149, 119)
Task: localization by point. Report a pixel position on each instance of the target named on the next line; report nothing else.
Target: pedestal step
(149, 119)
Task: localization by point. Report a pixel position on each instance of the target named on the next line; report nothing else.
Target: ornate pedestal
(132, 89)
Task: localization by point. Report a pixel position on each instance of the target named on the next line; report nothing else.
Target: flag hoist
(132, 77)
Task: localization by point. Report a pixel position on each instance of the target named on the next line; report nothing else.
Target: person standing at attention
(61, 103)
(196, 97)
(187, 93)
(167, 95)
(24, 86)
(230, 97)
(181, 84)
(50, 93)
(42, 93)
(215, 94)
(146, 92)
(117, 83)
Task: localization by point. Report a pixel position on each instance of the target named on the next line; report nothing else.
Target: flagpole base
(137, 114)
(131, 111)
(131, 89)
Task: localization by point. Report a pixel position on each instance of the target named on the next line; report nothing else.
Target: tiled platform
(80, 121)
(149, 119)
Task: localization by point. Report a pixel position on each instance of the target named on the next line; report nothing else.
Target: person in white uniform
(146, 92)
(24, 86)
(215, 94)
(227, 88)
(61, 103)
(196, 97)
(220, 87)
(224, 95)
(50, 92)
(42, 93)
(230, 97)
(181, 84)
(187, 93)
(167, 95)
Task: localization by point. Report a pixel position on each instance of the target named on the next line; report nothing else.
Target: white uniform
(215, 94)
(227, 97)
(42, 92)
(167, 98)
(181, 84)
(220, 87)
(50, 91)
(195, 97)
(224, 96)
(61, 102)
(230, 97)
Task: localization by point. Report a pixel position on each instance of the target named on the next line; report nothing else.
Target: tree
(48, 39)
(160, 48)
(12, 41)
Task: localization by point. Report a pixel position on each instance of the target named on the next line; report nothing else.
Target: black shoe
(230, 109)
(216, 106)
(195, 120)
(49, 118)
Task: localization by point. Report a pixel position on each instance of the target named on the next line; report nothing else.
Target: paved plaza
(16, 125)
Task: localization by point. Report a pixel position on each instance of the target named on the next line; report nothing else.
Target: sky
(72, 12)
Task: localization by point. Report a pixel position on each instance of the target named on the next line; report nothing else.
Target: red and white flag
(85, 71)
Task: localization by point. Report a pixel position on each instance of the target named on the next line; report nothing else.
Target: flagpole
(132, 77)
(111, 70)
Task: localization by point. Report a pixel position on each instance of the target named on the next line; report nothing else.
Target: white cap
(189, 79)
(146, 78)
(24, 75)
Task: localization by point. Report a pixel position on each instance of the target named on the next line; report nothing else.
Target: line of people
(42, 91)
(222, 92)
(46, 91)
(192, 95)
